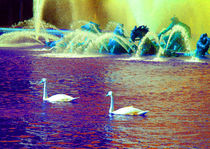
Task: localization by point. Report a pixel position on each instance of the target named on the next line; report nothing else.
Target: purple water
(175, 92)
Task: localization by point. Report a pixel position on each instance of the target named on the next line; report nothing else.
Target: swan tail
(74, 98)
(143, 112)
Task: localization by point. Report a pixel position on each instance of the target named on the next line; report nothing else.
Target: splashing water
(140, 47)
(161, 51)
(179, 28)
(75, 42)
(79, 41)
(84, 42)
(194, 59)
(111, 25)
(38, 12)
(77, 24)
(24, 38)
(36, 36)
(143, 40)
(184, 34)
(29, 24)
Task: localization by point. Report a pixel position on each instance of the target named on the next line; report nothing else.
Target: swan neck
(45, 91)
(111, 109)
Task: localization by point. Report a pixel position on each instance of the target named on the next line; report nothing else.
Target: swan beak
(41, 82)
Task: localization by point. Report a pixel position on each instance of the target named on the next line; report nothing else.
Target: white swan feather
(129, 110)
(57, 97)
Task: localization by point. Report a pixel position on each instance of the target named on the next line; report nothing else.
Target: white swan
(130, 110)
(54, 98)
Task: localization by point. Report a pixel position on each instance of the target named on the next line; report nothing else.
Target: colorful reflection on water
(174, 91)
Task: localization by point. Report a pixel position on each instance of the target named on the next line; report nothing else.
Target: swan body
(60, 97)
(130, 110)
(57, 97)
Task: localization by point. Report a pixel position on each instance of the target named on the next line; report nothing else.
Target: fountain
(30, 32)
(38, 11)
(85, 37)
(24, 38)
(186, 41)
(174, 90)
(143, 41)
(86, 42)
(161, 47)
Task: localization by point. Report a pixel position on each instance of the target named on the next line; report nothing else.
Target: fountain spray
(37, 15)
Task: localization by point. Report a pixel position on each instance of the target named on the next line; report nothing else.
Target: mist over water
(155, 14)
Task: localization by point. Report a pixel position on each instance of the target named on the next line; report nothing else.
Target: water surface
(174, 91)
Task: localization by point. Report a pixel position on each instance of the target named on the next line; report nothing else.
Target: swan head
(43, 80)
(109, 93)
